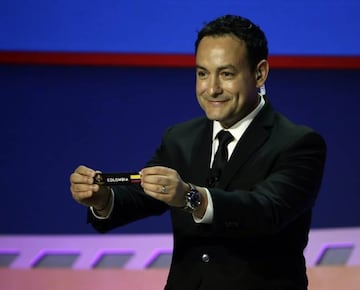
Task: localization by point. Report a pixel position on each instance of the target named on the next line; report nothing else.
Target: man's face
(226, 88)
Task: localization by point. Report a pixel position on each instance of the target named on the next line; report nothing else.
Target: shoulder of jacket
(295, 131)
(192, 124)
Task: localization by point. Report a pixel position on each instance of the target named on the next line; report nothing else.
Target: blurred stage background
(78, 80)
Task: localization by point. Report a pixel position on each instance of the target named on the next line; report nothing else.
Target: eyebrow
(229, 66)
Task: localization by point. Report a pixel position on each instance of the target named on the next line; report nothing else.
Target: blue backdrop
(322, 27)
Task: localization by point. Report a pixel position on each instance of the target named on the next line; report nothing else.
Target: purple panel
(145, 248)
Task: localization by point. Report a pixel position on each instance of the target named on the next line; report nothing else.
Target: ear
(261, 72)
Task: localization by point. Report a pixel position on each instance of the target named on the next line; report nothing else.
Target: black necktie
(221, 155)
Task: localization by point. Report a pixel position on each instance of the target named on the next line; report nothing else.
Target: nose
(214, 88)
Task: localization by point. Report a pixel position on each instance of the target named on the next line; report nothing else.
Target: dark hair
(242, 28)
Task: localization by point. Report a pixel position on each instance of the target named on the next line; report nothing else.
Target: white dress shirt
(237, 130)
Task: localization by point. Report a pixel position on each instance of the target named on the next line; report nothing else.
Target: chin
(221, 120)
(214, 115)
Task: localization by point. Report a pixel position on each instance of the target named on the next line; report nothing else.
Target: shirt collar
(239, 127)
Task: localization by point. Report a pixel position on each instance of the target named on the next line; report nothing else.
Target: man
(241, 223)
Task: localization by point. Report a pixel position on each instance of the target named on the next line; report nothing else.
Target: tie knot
(224, 138)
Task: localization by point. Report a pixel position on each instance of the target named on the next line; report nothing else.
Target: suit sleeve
(130, 204)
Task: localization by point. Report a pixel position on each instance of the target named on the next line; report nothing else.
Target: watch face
(193, 199)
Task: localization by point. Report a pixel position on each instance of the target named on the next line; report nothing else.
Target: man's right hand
(85, 192)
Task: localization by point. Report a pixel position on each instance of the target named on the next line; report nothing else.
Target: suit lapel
(252, 140)
(200, 155)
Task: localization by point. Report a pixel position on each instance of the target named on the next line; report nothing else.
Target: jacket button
(205, 258)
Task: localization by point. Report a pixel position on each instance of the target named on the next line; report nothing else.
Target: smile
(217, 102)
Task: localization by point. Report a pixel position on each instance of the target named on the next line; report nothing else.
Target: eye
(201, 74)
(227, 74)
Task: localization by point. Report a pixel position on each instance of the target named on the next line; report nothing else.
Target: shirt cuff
(110, 211)
(209, 213)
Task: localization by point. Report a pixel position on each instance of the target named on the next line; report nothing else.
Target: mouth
(217, 102)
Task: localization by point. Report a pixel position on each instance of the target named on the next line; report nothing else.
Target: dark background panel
(54, 118)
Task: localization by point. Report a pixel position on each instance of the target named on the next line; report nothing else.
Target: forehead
(221, 50)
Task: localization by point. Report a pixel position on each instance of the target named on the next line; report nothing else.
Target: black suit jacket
(262, 206)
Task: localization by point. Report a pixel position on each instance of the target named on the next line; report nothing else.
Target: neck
(247, 110)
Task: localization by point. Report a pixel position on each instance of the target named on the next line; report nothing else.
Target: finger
(81, 179)
(78, 187)
(79, 195)
(153, 179)
(83, 170)
(156, 170)
(155, 188)
(157, 175)
(80, 190)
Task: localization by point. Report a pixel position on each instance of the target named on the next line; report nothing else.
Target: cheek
(200, 100)
(200, 87)
(231, 87)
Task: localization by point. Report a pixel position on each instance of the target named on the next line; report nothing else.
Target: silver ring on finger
(163, 189)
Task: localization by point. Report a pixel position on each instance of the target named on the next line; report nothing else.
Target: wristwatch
(192, 198)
